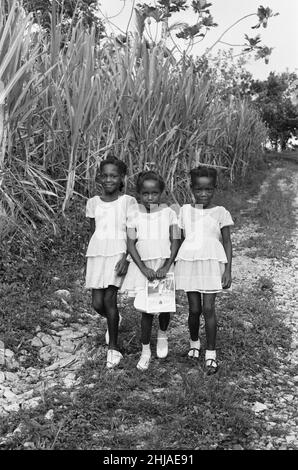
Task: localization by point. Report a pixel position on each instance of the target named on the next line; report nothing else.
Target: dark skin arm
(175, 244)
(92, 227)
(131, 248)
(227, 244)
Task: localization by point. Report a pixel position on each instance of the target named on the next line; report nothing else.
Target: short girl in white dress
(107, 248)
(204, 260)
(152, 244)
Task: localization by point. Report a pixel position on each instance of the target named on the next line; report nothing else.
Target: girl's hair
(149, 175)
(112, 160)
(203, 171)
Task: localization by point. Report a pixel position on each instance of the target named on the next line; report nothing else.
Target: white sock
(146, 351)
(195, 344)
(210, 354)
(161, 333)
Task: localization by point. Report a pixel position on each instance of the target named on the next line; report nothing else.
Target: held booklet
(160, 295)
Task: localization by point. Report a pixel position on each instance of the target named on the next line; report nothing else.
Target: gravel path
(278, 408)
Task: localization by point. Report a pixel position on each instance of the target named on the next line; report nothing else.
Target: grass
(274, 215)
(174, 405)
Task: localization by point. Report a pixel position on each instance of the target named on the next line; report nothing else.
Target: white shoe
(113, 358)
(144, 362)
(162, 346)
(107, 336)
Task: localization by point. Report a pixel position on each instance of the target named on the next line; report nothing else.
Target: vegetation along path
(55, 392)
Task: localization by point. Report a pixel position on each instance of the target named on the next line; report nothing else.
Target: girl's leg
(195, 310)
(210, 319)
(162, 338)
(164, 320)
(110, 304)
(210, 328)
(98, 301)
(146, 328)
(112, 314)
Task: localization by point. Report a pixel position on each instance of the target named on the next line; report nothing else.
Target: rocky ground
(63, 348)
(279, 405)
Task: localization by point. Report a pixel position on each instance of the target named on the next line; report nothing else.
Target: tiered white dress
(153, 245)
(201, 259)
(108, 242)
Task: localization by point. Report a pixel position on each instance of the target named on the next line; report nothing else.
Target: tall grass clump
(25, 188)
(68, 102)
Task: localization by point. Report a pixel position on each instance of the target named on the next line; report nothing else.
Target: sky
(281, 32)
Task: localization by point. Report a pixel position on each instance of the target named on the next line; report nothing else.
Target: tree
(165, 9)
(273, 98)
(68, 12)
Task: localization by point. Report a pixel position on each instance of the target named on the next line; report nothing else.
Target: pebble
(11, 377)
(8, 353)
(67, 346)
(31, 403)
(60, 314)
(49, 415)
(259, 407)
(48, 340)
(9, 394)
(36, 342)
(69, 380)
(63, 293)
(29, 445)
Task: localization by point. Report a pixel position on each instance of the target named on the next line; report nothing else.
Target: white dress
(153, 245)
(108, 242)
(201, 259)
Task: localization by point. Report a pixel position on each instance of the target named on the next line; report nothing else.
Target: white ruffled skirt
(203, 276)
(100, 272)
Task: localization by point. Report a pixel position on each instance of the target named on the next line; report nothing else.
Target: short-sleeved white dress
(153, 245)
(108, 242)
(201, 259)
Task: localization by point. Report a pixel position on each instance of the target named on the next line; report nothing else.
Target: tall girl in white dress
(152, 244)
(204, 260)
(106, 252)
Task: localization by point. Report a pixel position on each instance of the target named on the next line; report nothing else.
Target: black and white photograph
(148, 229)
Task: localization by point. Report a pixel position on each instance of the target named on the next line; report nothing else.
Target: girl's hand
(161, 272)
(149, 273)
(226, 280)
(122, 266)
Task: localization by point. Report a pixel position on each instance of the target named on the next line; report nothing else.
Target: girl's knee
(110, 300)
(195, 312)
(98, 306)
(209, 311)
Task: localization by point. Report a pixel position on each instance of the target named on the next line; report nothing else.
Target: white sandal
(113, 358)
(193, 353)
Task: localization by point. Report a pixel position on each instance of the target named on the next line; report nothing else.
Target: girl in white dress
(106, 252)
(204, 260)
(152, 244)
